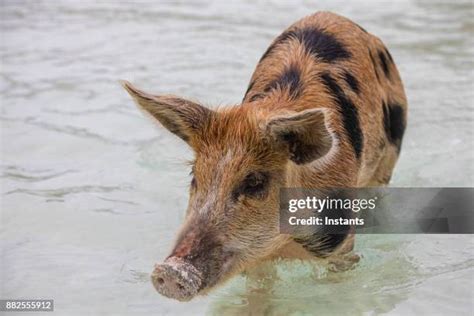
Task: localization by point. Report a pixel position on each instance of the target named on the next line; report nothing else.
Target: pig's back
(325, 60)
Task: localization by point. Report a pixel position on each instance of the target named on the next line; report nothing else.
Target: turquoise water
(93, 193)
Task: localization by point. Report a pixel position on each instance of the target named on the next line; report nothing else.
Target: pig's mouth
(179, 279)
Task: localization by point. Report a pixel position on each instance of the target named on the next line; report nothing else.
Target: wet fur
(352, 115)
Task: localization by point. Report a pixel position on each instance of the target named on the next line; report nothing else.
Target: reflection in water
(382, 279)
(386, 276)
(93, 193)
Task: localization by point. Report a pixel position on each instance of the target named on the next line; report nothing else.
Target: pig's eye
(254, 185)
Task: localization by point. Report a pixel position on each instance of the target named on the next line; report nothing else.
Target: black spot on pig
(326, 238)
(290, 79)
(319, 244)
(394, 123)
(322, 45)
(385, 64)
(349, 113)
(318, 43)
(351, 81)
(282, 38)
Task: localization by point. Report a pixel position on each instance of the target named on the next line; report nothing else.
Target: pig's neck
(318, 175)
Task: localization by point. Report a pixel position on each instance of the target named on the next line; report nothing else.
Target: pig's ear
(181, 117)
(305, 134)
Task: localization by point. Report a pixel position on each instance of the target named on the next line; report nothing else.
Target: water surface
(93, 192)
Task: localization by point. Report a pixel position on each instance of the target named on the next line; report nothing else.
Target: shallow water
(92, 192)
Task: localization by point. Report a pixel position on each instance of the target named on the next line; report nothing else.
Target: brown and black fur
(325, 108)
(326, 60)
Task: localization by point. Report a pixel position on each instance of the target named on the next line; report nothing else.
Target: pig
(325, 107)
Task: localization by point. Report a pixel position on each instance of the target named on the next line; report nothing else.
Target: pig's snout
(177, 279)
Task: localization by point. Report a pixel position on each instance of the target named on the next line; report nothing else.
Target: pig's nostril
(160, 280)
(177, 279)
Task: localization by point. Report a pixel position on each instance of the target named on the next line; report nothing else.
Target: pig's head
(242, 159)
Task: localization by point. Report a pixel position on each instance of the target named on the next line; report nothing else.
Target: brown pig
(325, 107)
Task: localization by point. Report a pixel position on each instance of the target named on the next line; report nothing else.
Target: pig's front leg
(340, 260)
(261, 278)
(344, 258)
(343, 263)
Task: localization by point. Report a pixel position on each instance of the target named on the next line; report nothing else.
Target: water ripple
(28, 175)
(63, 192)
